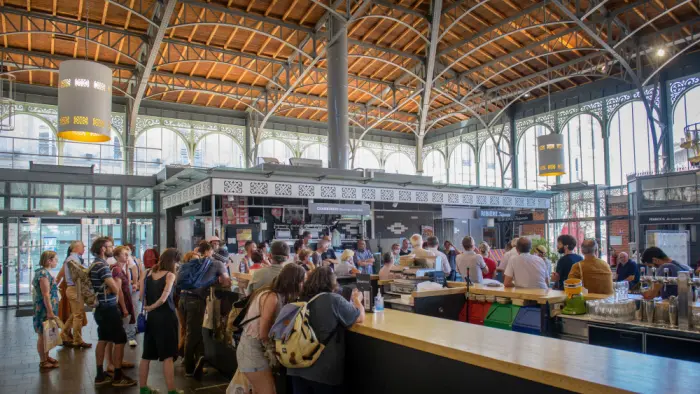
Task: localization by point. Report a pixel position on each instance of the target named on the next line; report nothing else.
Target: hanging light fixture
(84, 101)
(550, 152)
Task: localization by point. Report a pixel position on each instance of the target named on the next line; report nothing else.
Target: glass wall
(277, 149)
(218, 150)
(108, 199)
(108, 157)
(157, 147)
(399, 163)
(631, 144)
(19, 196)
(490, 168)
(77, 198)
(364, 158)
(583, 136)
(139, 199)
(528, 177)
(685, 113)
(462, 165)
(45, 197)
(32, 140)
(316, 152)
(434, 165)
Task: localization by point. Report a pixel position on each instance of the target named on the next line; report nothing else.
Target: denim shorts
(250, 355)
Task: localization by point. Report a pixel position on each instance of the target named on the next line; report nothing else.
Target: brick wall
(619, 227)
(534, 229)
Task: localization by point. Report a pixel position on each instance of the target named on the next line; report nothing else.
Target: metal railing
(17, 152)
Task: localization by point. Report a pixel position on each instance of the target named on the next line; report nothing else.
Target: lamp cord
(87, 27)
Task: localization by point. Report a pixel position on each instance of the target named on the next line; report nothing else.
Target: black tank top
(154, 289)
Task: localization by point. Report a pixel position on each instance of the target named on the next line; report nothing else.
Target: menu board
(243, 235)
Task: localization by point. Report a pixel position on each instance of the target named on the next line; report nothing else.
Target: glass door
(140, 233)
(94, 228)
(56, 235)
(28, 251)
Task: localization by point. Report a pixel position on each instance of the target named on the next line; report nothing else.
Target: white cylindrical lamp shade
(550, 152)
(84, 101)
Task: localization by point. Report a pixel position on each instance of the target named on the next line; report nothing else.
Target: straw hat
(347, 254)
(541, 249)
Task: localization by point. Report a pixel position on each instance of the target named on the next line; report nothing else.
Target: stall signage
(495, 213)
(520, 217)
(192, 210)
(660, 218)
(338, 209)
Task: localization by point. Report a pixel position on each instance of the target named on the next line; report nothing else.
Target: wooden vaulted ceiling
(244, 54)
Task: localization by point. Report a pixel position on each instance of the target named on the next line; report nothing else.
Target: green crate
(501, 316)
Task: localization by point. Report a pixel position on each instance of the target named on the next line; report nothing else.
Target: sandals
(52, 360)
(47, 365)
(83, 345)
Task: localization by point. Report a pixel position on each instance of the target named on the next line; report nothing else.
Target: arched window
(316, 152)
(686, 112)
(158, 147)
(528, 177)
(275, 148)
(462, 165)
(107, 157)
(631, 146)
(490, 168)
(31, 140)
(583, 136)
(434, 165)
(399, 163)
(364, 158)
(218, 150)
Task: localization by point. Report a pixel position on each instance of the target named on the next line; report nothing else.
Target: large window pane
(108, 199)
(139, 199)
(158, 147)
(316, 152)
(434, 165)
(2, 203)
(686, 112)
(107, 157)
(45, 197)
(19, 193)
(528, 177)
(490, 168)
(631, 144)
(77, 198)
(277, 149)
(364, 158)
(399, 163)
(463, 165)
(583, 137)
(218, 150)
(31, 140)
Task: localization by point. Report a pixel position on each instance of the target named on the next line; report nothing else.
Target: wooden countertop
(541, 296)
(242, 276)
(568, 365)
(440, 292)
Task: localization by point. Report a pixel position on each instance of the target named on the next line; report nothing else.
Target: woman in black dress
(161, 336)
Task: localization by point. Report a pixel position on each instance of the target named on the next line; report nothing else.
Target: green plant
(551, 255)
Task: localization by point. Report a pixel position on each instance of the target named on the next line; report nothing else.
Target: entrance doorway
(23, 240)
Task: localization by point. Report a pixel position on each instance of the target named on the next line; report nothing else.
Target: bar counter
(400, 351)
(541, 296)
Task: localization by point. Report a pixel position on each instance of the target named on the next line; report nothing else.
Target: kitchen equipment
(573, 287)
(660, 311)
(575, 305)
(673, 313)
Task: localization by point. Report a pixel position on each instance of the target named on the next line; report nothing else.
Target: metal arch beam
(650, 21)
(51, 58)
(355, 88)
(55, 70)
(395, 20)
(162, 14)
(221, 63)
(227, 52)
(397, 7)
(459, 18)
(430, 69)
(247, 28)
(141, 13)
(314, 61)
(379, 59)
(386, 50)
(229, 96)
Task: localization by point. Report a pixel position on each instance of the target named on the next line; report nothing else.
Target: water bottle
(379, 302)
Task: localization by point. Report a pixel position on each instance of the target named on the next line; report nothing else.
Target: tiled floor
(19, 365)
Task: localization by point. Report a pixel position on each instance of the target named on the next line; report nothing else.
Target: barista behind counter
(656, 257)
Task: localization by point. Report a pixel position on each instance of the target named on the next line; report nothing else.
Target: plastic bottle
(379, 302)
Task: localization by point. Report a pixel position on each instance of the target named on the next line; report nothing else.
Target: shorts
(161, 337)
(250, 355)
(109, 324)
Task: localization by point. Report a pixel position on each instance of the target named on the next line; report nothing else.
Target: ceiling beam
(430, 66)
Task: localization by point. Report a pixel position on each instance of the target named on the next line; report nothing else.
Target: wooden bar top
(541, 296)
(567, 365)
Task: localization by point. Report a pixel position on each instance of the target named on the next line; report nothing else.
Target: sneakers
(105, 379)
(124, 381)
(148, 390)
(133, 343)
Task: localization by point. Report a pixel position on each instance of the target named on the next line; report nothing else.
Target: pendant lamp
(550, 152)
(84, 101)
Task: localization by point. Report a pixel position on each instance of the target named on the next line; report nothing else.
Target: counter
(450, 355)
(541, 296)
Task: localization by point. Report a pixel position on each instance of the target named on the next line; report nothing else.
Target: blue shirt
(98, 274)
(628, 269)
(364, 255)
(73, 257)
(564, 267)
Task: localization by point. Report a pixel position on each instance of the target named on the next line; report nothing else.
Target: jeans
(303, 386)
(130, 329)
(192, 309)
(77, 312)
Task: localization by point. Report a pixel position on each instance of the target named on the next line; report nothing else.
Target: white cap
(213, 238)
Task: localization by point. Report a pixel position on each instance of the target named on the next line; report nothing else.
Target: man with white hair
(627, 269)
(418, 251)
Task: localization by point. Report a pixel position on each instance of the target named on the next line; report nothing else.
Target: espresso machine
(686, 296)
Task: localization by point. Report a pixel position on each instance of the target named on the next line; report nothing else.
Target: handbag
(52, 333)
(211, 311)
(141, 319)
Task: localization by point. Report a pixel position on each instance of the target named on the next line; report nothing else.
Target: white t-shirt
(475, 263)
(528, 271)
(506, 258)
(444, 263)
